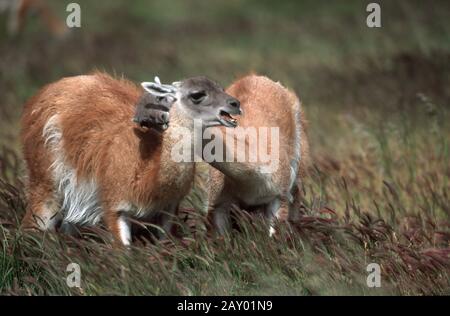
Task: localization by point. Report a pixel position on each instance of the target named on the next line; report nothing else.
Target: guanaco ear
(160, 90)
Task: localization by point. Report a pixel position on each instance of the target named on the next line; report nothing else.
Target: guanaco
(264, 103)
(19, 11)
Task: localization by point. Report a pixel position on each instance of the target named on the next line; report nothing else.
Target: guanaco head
(200, 98)
(153, 111)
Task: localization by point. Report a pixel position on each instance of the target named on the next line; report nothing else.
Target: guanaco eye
(197, 96)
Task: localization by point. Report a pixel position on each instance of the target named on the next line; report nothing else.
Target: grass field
(377, 102)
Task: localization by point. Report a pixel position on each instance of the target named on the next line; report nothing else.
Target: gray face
(204, 99)
(201, 98)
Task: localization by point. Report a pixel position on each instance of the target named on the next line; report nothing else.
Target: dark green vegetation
(378, 105)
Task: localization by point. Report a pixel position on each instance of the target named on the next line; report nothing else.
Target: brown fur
(265, 104)
(100, 142)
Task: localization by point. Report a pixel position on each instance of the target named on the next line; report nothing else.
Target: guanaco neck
(181, 130)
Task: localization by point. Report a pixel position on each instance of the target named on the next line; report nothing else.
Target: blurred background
(321, 49)
(377, 101)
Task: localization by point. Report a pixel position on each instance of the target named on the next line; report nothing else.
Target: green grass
(377, 101)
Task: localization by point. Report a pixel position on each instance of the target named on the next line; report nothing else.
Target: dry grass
(355, 212)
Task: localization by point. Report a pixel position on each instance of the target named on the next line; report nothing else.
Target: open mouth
(157, 126)
(226, 119)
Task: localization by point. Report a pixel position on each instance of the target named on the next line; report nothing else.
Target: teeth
(227, 120)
